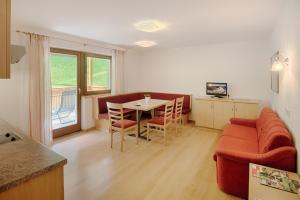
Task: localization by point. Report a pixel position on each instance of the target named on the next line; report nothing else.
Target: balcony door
(65, 81)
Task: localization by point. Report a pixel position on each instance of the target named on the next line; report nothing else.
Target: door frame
(76, 127)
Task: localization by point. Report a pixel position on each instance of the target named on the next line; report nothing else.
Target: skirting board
(89, 129)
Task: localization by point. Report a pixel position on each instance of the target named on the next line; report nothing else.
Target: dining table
(143, 105)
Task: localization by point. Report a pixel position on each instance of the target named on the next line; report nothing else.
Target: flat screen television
(216, 89)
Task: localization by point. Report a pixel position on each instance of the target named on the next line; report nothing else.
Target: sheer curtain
(118, 72)
(39, 84)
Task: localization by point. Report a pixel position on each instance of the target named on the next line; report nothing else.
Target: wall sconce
(279, 61)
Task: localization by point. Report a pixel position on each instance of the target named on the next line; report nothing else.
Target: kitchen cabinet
(5, 15)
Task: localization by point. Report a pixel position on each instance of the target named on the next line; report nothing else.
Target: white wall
(132, 71)
(13, 101)
(243, 65)
(286, 38)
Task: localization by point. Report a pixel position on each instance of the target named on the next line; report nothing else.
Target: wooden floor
(184, 169)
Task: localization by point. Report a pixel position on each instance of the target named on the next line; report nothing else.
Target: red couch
(123, 98)
(264, 141)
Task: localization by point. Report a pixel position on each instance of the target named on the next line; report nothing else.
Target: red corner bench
(265, 141)
(123, 98)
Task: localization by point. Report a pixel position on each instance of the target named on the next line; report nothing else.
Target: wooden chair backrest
(115, 112)
(178, 107)
(168, 112)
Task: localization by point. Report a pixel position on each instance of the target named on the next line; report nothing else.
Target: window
(65, 99)
(97, 74)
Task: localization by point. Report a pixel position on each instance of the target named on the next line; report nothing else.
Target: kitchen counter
(24, 159)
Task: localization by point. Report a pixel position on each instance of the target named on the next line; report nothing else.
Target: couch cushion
(157, 120)
(272, 132)
(244, 122)
(127, 110)
(271, 124)
(186, 111)
(236, 144)
(241, 132)
(103, 116)
(170, 96)
(161, 109)
(268, 123)
(127, 123)
(173, 115)
(123, 98)
(273, 138)
(265, 114)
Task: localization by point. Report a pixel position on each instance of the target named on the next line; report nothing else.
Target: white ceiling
(191, 22)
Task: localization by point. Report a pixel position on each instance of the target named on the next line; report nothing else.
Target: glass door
(65, 98)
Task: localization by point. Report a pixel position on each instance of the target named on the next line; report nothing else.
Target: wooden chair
(161, 124)
(177, 116)
(117, 123)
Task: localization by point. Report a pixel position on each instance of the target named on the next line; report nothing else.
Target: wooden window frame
(84, 74)
(76, 127)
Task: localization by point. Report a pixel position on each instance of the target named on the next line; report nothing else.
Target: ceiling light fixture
(150, 26)
(279, 61)
(145, 43)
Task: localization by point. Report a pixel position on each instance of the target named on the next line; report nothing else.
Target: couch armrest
(244, 122)
(270, 157)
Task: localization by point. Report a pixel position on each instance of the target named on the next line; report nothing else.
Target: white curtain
(39, 84)
(118, 84)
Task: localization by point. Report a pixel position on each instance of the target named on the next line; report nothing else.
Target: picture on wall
(275, 81)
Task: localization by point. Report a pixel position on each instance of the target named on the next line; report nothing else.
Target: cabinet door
(246, 110)
(4, 39)
(223, 111)
(204, 113)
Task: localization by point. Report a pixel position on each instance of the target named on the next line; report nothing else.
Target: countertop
(24, 159)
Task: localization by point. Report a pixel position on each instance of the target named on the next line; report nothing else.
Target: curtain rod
(84, 44)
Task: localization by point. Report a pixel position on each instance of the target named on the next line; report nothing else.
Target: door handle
(79, 90)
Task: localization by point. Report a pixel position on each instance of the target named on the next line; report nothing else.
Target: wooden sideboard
(5, 38)
(216, 113)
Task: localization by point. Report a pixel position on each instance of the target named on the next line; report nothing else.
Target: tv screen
(216, 89)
